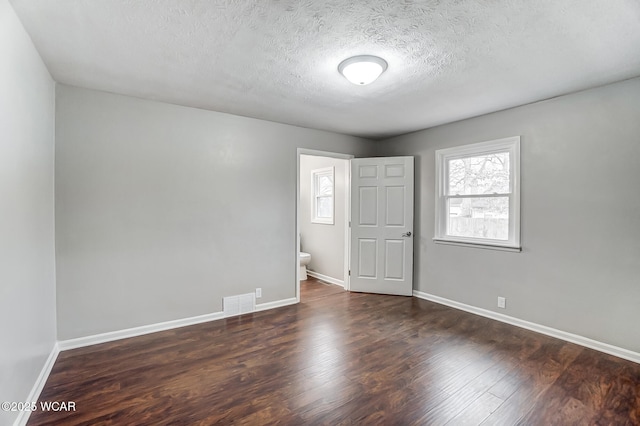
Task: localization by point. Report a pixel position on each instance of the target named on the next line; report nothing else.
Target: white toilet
(305, 258)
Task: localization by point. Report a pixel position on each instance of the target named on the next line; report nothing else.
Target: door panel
(368, 206)
(394, 259)
(381, 225)
(395, 206)
(368, 171)
(368, 257)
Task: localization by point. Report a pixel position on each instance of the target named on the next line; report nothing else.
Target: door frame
(347, 236)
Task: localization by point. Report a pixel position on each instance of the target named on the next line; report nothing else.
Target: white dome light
(362, 70)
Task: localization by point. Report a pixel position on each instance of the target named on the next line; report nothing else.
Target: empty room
(305, 212)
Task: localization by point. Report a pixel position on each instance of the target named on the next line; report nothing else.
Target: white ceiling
(277, 59)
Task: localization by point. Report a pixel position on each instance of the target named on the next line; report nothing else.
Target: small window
(322, 200)
(478, 194)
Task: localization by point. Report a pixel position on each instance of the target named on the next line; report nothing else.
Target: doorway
(322, 215)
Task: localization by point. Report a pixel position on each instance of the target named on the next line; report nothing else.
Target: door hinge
(349, 272)
(349, 224)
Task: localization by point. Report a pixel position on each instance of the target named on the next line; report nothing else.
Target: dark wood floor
(344, 358)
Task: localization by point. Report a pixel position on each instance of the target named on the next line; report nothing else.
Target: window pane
(325, 185)
(325, 207)
(479, 217)
(484, 174)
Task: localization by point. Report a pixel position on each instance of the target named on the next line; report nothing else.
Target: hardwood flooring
(344, 358)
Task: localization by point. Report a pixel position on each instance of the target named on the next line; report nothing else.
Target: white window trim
(512, 145)
(314, 196)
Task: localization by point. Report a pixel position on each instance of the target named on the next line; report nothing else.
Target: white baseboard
(543, 329)
(136, 331)
(96, 339)
(23, 416)
(326, 278)
(276, 304)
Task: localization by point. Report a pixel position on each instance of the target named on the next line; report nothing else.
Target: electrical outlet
(502, 302)
(258, 293)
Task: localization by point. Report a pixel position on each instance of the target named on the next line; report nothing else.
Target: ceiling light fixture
(362, 70)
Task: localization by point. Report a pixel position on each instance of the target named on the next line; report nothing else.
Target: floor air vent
(240, 304)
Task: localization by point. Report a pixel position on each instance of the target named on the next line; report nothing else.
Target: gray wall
(27, 262)
(324, 242)
(580, 267)
(162, 210)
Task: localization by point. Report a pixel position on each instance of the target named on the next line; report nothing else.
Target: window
(478, 194)
(322, 200)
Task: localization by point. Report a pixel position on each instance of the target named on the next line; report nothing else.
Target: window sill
(478, 245)
(322, 222)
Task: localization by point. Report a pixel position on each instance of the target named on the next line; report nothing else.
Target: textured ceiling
(277, 59)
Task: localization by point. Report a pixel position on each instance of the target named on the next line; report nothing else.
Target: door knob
(407, 234)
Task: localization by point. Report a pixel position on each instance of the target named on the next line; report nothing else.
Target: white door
(381, 258)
